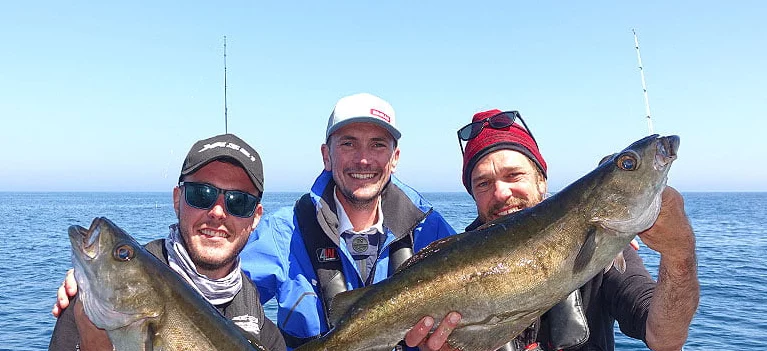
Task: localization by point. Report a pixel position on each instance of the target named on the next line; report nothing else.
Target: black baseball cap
(225, 146)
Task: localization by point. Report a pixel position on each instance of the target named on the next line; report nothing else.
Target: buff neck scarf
(217, 291)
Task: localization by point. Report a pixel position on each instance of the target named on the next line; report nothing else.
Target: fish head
(631, 183)
(110, 275)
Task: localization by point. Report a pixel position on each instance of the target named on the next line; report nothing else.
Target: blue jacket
(276, 258)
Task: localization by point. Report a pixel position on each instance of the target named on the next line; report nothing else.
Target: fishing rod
(226, 123)
(644, 86)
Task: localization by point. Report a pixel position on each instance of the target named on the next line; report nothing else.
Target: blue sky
(109, 97)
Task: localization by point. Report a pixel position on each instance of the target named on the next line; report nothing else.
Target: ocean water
(35, 253)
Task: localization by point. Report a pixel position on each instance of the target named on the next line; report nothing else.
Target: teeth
(362, 175)
(210, 232)
(511, 210)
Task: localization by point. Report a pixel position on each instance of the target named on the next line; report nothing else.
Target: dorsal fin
(435, 246)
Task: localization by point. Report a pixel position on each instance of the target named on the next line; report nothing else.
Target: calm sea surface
(730, 228)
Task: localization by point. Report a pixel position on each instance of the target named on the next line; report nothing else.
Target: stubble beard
(206, 263)
(512, 202)
(360, 202)
(212, 264)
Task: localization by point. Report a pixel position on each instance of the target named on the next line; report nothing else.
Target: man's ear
(325, 150)
(176, 200)
(542, 186)
(394, 159)
(257, 215)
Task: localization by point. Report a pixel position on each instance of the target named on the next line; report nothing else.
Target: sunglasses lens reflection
(203, 196)
(471, 131)
(502, 120)
(240, 204)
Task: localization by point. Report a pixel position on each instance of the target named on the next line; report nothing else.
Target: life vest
(325, 258)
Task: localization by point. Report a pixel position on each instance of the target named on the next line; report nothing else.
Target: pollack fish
(507, 273)
(140, 302)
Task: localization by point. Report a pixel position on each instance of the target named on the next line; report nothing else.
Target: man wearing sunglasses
(355, 227)
(504, 171)
(217, 203)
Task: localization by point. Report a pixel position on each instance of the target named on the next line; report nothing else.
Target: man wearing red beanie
(504, 171)
(506, 145)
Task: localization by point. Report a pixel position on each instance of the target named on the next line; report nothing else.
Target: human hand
(672, 234)
(67, 289)
(419, 335)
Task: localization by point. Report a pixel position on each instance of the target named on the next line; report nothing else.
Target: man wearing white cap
(357, 224)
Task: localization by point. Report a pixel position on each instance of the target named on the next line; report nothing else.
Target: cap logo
(380, 115)
(230, 145)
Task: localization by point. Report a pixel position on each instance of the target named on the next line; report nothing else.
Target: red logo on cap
(380, 115)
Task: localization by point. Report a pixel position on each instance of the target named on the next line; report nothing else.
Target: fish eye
(123, 253)
(628, 161)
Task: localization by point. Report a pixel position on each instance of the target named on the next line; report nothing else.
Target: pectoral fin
(586, 252)
(619, 262)
(491, 336)
(133, 337)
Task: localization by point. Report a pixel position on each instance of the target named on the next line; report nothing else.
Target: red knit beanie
(513, 137)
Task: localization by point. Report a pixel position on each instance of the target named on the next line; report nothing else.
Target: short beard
(202, 263)
(359, 202)
(513, 202)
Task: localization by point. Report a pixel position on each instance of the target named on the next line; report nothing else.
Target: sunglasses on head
(497, 121)
(203, 196)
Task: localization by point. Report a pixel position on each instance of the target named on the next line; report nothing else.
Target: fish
(140, 301)
(507, 273)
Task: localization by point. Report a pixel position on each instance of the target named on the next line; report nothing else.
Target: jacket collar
(474, 225)
(400, 214)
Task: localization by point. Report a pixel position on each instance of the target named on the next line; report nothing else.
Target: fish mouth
(87, 240)
(665, 152)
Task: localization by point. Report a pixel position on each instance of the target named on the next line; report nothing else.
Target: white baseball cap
(362, 107)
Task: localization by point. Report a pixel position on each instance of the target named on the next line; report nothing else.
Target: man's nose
(218, 210)
(502, 191)
(362, 156)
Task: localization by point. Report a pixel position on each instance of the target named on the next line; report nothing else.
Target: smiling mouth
(508, 210)
(214, 233)
(362, 176)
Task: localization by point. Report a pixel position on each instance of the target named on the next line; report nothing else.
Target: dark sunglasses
(497, 121)
(203, 196)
